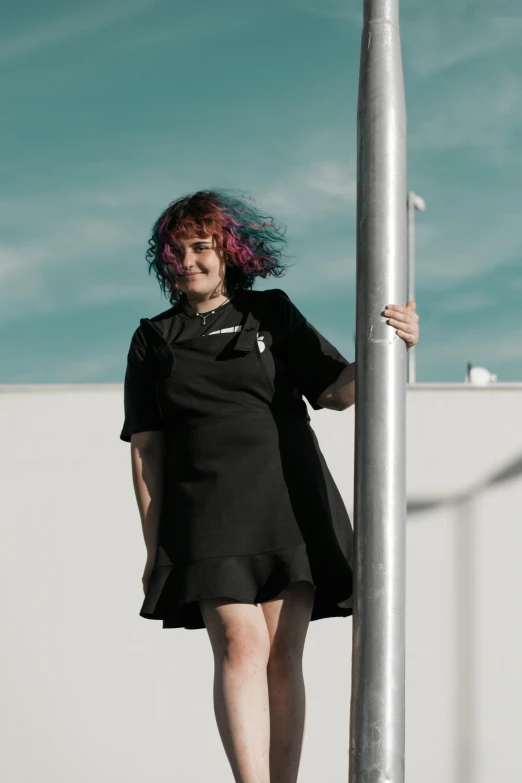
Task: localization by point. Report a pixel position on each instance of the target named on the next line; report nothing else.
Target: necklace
(204, 316)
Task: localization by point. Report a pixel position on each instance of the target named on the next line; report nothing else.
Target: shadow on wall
(512, 470)
(466, 707)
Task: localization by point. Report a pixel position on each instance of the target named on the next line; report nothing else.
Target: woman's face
(203, 267)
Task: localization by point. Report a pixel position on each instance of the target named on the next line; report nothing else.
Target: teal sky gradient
(115, 108)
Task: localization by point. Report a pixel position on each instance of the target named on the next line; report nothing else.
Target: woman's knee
(237, 631)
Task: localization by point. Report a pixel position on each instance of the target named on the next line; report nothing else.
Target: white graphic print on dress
(227, 329)
(260, 338)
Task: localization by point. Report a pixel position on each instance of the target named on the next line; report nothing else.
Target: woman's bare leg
(287, 619)
(240, 642)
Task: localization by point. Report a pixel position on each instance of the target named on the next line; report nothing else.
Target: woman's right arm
(148, 463)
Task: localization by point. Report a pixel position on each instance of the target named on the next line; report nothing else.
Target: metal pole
(414, 202)
(411, 276)
(377, 708)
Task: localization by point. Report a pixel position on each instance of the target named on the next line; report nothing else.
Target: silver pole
(414, 202)
(377, 707)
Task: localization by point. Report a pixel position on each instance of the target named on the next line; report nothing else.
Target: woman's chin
(192, 289)
(190, 285)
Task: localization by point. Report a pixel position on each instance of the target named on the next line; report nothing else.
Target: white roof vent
(479, 376)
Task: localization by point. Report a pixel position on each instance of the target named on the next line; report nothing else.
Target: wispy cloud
(23, 279)
(467, 302)
(87, 369)
(457, 117)
(83, 20)
(334, 9)
(444, 35)
(480, 345)
(321, 278)
(94, 225)
(107, 292)
(307, 194)
(448, 254)
(14, 259)
(29, 271)
(56, 244)
(438, 36)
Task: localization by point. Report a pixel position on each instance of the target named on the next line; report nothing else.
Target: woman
(245, 530)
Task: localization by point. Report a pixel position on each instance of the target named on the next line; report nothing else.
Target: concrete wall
(92, 692)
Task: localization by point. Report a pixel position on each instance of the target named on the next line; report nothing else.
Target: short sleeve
(310, 359)
(141, 410)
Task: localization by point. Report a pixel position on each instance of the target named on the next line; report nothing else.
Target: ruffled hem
(174, 590)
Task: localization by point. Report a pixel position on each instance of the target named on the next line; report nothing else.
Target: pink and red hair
(247, 238)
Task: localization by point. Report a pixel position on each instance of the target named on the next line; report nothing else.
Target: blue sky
(116, 108)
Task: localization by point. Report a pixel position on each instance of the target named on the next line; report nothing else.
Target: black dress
(249, 504)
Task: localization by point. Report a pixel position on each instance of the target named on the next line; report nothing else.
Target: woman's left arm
(341, 394)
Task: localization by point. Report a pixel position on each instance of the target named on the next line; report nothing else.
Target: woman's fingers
(406, 314)
(406, 321)
(409, 328)
(398, 322)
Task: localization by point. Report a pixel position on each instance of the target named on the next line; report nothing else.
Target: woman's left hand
(406, 321)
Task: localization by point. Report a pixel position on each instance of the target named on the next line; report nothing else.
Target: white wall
(93, 692)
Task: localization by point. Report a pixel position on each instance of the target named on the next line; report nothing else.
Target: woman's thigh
(287, 619)
(236, 630)
(275, 630)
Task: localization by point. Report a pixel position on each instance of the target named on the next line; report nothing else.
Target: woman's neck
(204, 305)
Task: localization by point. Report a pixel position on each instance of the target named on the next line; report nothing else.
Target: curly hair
(247, 238)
